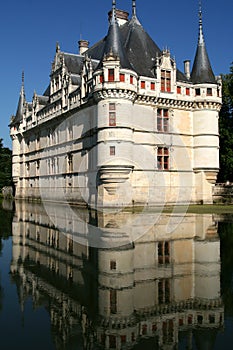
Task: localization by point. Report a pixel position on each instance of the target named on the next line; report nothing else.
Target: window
(178, 89)
(143, 84)
(163, 158)
(162, 120)
(70, 162)
(187, 91)
(112, 341)
(164, 291)
(112, 114)
(113, 301)
(112, 151)
(209, 92)
(163, 252)
(111, 74)
(123, 339)
(152, 86)
(131, 79)
(168, 331)
(198, 92)
(165, 81)
(101, 78)
(112, 119)
(122, 77)
(113, 265)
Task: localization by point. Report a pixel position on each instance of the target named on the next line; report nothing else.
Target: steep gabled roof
(202, 71)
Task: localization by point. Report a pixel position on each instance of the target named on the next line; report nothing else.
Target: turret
(207, 104)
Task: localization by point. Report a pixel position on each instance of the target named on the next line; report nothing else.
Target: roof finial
(201, 37)
(134, 8)
(23, 78)
(114, 11)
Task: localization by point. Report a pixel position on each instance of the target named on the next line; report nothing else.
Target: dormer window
(111, 74)
(165, 81)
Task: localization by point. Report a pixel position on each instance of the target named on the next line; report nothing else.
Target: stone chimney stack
(122, 16)
(187, 68)
(83, 46)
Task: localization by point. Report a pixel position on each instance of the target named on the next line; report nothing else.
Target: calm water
(77, 279)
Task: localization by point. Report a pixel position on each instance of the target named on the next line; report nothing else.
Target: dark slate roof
(113, 44)
(140, 49)
(43, 100)
(47, 91)
(73, 63)
(202, 71)
(20, 108)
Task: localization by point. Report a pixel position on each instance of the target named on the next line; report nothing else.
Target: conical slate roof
(113, 43)
(202, 71)
(20, 108)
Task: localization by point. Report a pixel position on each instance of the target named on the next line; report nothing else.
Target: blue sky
(29, 31)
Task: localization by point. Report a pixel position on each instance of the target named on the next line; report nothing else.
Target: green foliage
(226, 129)
(5, 166)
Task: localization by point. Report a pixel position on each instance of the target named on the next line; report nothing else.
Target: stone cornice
(125, 94)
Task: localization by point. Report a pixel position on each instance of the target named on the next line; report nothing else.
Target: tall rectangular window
(198, 92)
(112, 151)
(163, 158)
(187, 91)
(178, 89)
(101, 78)
(122, 77)
(152, 86)
(163, 252)
(162, 120)
(112, 114)
(143, 84)
(165, 80)
(70, 162)
(111, 74)
(164, 291)
(113, 301)
(209, 92)
(131, 79)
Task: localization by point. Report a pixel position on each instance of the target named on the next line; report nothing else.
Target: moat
(73, 278)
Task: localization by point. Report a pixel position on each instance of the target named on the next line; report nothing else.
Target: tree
(5, 165)
(226, 129)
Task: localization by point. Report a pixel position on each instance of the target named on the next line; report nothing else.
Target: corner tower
(207, 104)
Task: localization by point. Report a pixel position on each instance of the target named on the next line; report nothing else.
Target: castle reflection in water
(118, 290)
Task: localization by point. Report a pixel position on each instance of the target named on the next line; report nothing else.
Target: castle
(120, 125)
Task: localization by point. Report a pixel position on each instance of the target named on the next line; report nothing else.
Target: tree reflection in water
(5, 230)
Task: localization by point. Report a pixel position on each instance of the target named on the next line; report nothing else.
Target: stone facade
(120, 125)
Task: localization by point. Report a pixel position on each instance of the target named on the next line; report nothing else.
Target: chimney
(122, 16)
(187, 68)
(83, 46)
